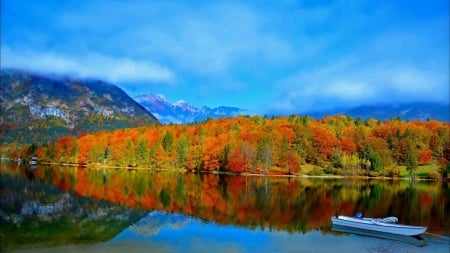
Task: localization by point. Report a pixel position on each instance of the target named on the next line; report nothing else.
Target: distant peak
(181, 102)
(152, 98)
(181, 111)
(161, 96)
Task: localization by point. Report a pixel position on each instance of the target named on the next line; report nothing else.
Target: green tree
(151, 156)
(130, 154)
(411, 162)
(264, 153)
(375, 163)
(224, 156)
(336, 159)
(96, 153)
(142, 158)
(31, 149)
(182, 147)
(371, 160)
(167, 141)
(350, 163)
(50, 151)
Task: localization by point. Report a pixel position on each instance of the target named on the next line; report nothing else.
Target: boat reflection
(415, 240)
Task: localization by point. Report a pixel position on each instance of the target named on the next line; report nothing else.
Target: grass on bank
(430, 171)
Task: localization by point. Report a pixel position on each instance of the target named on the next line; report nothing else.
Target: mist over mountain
(182, 112)
(406, 111)
(40, 108)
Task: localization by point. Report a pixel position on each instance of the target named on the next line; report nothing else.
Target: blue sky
(265, 56)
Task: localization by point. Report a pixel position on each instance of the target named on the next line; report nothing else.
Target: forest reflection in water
(288, 205)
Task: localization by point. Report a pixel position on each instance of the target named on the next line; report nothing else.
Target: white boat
(416, 240)
(386, 225)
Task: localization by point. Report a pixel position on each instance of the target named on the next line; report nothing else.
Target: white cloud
(201, 39)
(206, 39)
(353, 83)
(348, 90)
(393, 65)
(306, 54)
(91, 65)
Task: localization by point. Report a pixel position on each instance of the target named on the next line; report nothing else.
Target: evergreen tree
(182, 147)
(411, 163)
(167, 141)
(224, 156)
(142, 153)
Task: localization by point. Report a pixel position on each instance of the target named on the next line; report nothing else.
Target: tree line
(253, 144)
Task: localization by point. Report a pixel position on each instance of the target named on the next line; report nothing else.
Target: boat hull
(374, 225)
(415, 240)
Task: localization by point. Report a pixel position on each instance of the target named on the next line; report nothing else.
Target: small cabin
(33, 160)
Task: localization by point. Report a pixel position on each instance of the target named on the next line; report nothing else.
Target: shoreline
(245, 174)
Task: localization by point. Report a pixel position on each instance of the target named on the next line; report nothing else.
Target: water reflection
(287, 205)
(35, 214)
(167, 232)
(155, 221)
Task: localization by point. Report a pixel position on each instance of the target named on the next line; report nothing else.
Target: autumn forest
(336, 145)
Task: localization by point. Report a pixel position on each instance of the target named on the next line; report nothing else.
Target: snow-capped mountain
(181, 112)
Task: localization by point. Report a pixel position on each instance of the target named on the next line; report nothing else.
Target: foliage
(316, 171)
(392, 172)
(261, 145)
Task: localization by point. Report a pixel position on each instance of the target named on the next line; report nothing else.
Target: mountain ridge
(32, 102)
(406, 111)
(181, 112)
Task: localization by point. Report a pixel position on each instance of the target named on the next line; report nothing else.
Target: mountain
(181, 112)
(406, 111)
(40, 108)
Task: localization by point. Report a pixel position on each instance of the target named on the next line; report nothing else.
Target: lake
(73, 209)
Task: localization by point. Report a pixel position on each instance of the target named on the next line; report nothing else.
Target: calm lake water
(70, 209)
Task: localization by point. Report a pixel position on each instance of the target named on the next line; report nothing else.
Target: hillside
(38, 108)
(182, 112)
